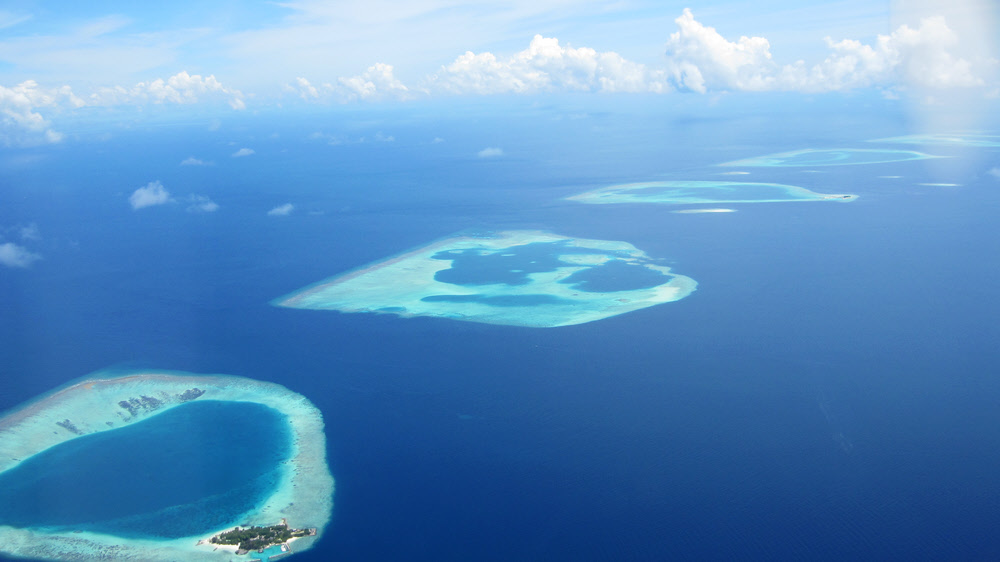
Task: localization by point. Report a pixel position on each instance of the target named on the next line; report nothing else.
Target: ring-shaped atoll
(966, 139)
(704, 192)
(516, 278)
(92, 421)
(831, 157)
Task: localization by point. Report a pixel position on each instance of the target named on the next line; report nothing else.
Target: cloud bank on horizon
(695, 58)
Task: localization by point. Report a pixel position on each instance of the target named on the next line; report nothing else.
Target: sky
(62, 58)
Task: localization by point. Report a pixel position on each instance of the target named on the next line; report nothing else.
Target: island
(84, 429)
(831, 157)
(517, 278)
(260, 538)
(704, 192)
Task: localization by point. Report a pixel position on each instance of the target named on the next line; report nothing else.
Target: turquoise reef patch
(704, 192)
(965, 139)
(517, 278)
(831, 157)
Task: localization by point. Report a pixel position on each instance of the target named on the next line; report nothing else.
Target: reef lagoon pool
(149, 466)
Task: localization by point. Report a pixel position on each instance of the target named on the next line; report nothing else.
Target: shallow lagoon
(517, 278)
(148, 466)
(101, 481)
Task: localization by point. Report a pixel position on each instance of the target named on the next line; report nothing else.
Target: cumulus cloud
(281, 210)
(699, 59)
(546, 66)
(376, 82)
(490, 152)
(21, 123)
(14, 255)
(181, 88)
(201, 204)
(192, 161)
(243, 152)
(152, 194)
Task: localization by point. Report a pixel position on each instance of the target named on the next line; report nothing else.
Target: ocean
(829, 392)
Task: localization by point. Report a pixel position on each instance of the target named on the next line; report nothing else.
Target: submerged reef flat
(516, 278)
(97, 407)
(831, 157)
(969, 139)
(704, 192)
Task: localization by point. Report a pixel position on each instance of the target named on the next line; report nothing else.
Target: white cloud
(201, 204)
(995, 172)
(243, 152)
(152, 194)
(281, 210)
(13, 255)
(546, 66)
(20, 123)
(490, 152)
(700, 59)
(192, 161)
(377, 82)
(181, 88)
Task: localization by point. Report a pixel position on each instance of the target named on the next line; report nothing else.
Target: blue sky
(57, 58)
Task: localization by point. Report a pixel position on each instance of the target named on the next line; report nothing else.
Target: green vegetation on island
(258, 538)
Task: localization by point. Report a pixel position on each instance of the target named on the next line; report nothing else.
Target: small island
(259, 538)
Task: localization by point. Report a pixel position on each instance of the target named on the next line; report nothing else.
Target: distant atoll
(517, 278)
(963, 139)
(831, 157)
(704, 192)
(303, 494)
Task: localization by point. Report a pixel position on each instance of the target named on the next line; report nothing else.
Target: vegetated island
(108, 400)
(258, 538)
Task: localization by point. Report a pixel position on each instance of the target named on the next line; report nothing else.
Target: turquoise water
(723, 193)
(502, 300)
(831, 157)
(187, 471)
(270, 552)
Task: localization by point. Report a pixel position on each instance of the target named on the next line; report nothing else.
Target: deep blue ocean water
(193, 468)
(829, 392)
